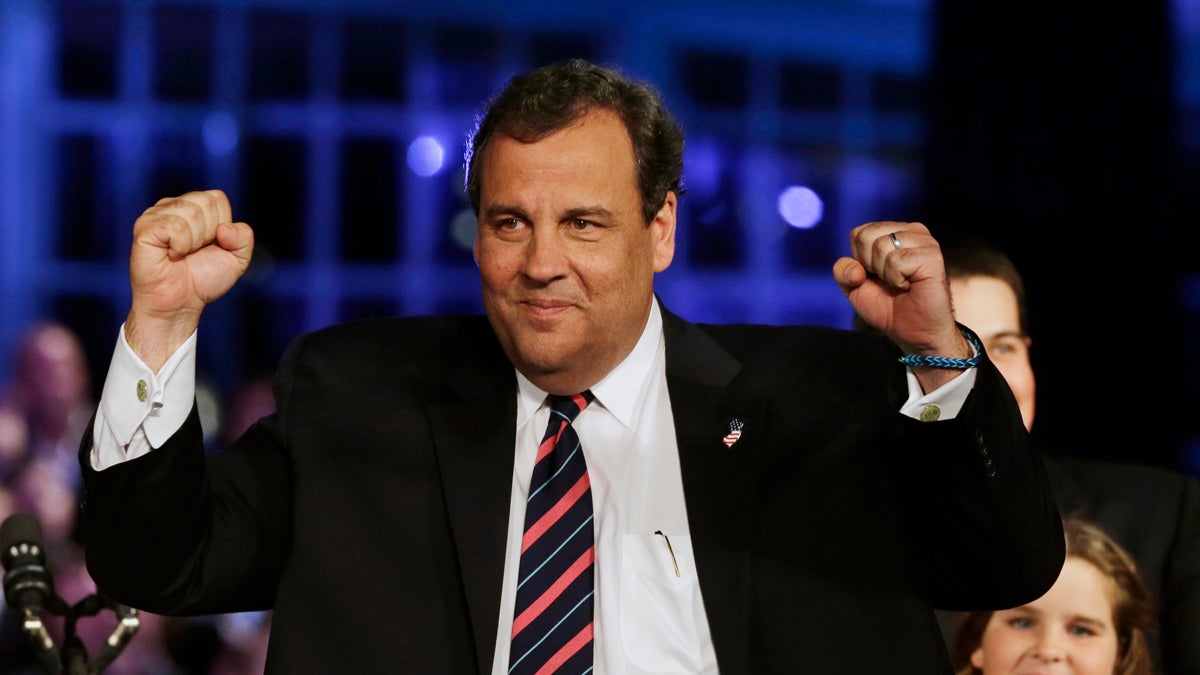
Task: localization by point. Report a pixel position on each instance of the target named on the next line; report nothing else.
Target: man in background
(1152, 512)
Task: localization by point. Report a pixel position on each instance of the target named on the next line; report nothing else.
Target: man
(1151, 512)
(398, 510)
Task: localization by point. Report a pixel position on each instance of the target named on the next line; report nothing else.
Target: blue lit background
(337, 130)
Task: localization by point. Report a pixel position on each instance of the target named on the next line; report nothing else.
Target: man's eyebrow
(584, 211)
(505, 210)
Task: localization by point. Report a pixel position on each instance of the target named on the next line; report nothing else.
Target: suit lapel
(718, 481)
(474, 444)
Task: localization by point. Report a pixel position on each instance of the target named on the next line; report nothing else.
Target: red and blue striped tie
(552, 620)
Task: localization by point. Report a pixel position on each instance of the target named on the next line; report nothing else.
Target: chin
(539, 363)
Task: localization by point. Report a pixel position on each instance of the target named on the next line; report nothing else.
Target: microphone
(28, 587)
(27, 582)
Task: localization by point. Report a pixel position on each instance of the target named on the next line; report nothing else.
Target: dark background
(1070, 138)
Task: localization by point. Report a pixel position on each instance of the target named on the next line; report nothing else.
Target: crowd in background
(44, 411)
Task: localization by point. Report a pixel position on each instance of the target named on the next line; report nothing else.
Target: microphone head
(17, 528)
(27, 582)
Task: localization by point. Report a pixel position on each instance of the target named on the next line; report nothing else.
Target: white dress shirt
(650, 614)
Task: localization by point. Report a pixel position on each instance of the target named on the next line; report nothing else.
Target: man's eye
(581, 224)
(510, 223)
(1006, 347)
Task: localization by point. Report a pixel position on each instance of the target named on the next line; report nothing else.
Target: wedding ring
(895, 240)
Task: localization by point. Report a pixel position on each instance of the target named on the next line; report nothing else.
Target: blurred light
(426, 156)
(220, 133)
(702, 164)
(462, 228)
(800, 207)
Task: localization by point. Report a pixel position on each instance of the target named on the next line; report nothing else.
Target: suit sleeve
(181, 532)
(984, 510)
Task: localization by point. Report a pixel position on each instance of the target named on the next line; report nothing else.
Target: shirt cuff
(135, 398)
(946, 401)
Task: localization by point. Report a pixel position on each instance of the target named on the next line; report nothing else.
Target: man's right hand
(186, 253)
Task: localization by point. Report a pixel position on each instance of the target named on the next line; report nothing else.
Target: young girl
(1093, 621)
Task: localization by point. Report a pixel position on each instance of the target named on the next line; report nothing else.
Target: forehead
(596, 145)
(1081, 590)
(986, 305)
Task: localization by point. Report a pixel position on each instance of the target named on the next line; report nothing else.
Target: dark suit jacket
(1154, 514)
(371, 511)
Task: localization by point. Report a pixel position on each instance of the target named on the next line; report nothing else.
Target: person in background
(578, 480)
(42, 411)
(51, 392)
(14, 443)
(1152, 512)
(1093, 621)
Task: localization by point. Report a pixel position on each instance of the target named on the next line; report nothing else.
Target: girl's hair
(1132, 609)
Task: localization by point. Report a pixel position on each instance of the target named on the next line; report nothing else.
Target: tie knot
(570, 406)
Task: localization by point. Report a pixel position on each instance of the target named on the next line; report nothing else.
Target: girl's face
(1069, 630)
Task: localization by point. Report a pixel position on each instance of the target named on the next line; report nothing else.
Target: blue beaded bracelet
(945, 361)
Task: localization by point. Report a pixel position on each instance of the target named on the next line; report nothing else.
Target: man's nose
(544, 254)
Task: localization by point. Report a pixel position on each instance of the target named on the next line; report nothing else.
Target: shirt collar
(618, 391)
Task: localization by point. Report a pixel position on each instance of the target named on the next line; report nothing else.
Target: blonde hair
(1132, 609)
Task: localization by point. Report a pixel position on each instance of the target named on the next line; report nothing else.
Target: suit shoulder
(1126, 481)
(403, 344)
(1103, 471)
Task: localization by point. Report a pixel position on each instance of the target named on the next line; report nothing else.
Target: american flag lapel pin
(735, 432)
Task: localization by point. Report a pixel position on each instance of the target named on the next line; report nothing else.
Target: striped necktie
(552, 620)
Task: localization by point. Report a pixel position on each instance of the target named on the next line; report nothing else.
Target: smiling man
(580, 481)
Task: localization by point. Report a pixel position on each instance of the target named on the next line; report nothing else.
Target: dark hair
(537, 103)
(976, 258)
(1132, 609)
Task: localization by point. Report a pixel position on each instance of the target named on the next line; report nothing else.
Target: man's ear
(663, 231)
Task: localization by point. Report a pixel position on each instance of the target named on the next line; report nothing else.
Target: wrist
(948, 362)
(154, 338)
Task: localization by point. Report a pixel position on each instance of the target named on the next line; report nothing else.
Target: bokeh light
(426, 156)
(800, 207)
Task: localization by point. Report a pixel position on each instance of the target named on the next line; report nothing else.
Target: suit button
(930, 413)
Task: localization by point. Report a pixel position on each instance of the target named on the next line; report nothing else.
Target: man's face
(566, 259)
(988, 306)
